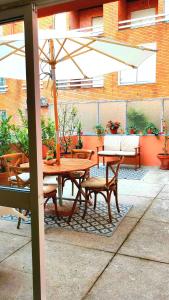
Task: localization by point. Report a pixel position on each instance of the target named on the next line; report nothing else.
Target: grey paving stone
(70, 270)
(150, 240)
(9, 243)
(129, 278)
(158, 211)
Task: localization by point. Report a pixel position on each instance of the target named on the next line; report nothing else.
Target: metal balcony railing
(144, 21)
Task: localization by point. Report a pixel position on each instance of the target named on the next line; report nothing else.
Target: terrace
(132, 262)
(91, 258)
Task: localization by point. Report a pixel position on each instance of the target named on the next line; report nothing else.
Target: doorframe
(33, 198)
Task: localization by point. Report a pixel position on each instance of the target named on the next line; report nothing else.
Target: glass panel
(14, 144)
(144, 114)
(166, 112)
(114, 111)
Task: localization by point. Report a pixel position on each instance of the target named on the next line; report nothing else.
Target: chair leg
(19, 219)
(95, 200)
(86, 202)
(72, 188)
(103, 160)
(109, 208)
(97, 160)
(116, 199)
(55, 204)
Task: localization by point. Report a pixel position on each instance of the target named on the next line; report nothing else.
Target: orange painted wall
(150, 147)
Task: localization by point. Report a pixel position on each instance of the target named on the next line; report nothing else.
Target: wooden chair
(104, 186)
(81, 154)
(9, 160)
(21, 178)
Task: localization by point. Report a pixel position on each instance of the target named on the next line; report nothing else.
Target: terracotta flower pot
(114, 130)
(149, 131)
(132, 131)
(164, 159)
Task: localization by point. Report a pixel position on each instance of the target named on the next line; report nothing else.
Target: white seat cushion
(129, 143)
(49, 188)
(112, 142)
(108, 153)
(50, 180)
(23, 176)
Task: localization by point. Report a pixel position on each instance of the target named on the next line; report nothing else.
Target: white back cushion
(112, 142)
(129, 143)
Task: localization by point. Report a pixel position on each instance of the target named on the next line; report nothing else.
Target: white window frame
(138, 70)
(3, 86)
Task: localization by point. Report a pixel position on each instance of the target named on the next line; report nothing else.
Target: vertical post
(35, 149)
(162, 115)
(126, 121)
(98, 112)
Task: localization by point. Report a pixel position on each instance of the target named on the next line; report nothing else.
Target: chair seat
(119, 153)
(50, 180)
(49, 188)
(23, 176)
(77, 174)
(94, 182)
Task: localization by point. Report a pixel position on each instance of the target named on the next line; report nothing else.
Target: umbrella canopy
(76, 55)
(72, 56)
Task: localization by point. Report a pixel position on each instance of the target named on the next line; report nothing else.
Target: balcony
(144, 21)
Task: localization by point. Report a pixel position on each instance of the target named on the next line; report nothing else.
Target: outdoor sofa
(120, 145)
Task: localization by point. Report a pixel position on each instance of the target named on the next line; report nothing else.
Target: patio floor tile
(128, 278)
(10, 227)
(149, 240)
(93, 241)
(139, 188)
(158, 211)
(70, 270)
(15, 285)
(9, 243)
(139, 204)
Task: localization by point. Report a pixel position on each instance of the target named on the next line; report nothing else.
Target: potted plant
(132, 130)
(99, 129)
(164, 156)
(151, 129)
(48, 136)
(113, 126)
(79, 144)
(68, 121)
(6, 140)
(50, 160)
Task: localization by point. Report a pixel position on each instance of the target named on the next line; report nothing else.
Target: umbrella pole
(53, 67)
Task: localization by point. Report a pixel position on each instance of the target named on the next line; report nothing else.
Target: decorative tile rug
(124, 173)
(96, 221)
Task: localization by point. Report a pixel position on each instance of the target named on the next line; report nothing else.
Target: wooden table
(67, 165)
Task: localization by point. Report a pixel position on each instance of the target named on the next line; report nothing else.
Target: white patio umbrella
(73, 55)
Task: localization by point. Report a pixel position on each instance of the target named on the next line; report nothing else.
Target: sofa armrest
(137, 150)
(100, 147)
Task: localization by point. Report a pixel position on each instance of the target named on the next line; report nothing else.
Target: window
(145, 13)
(61, 22)
(145, 73)
(97, 25)
(166, 8)
(3, 86)
(3, 115)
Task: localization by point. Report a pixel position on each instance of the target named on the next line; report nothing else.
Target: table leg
(60, 190)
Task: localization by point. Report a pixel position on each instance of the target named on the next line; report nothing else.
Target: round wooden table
(67, 165)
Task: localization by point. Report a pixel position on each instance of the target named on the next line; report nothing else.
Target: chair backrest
(12, 159)
(82, 153)
(113, 167)
(129, 142)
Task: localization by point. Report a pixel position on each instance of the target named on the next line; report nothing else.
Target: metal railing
(144, 21)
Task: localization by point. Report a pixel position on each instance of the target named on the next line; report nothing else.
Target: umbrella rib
(69, 56)
(103, 53)
(13, 52)
(119, 43)
(61, 47)
(41, 50)
(74, 52)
